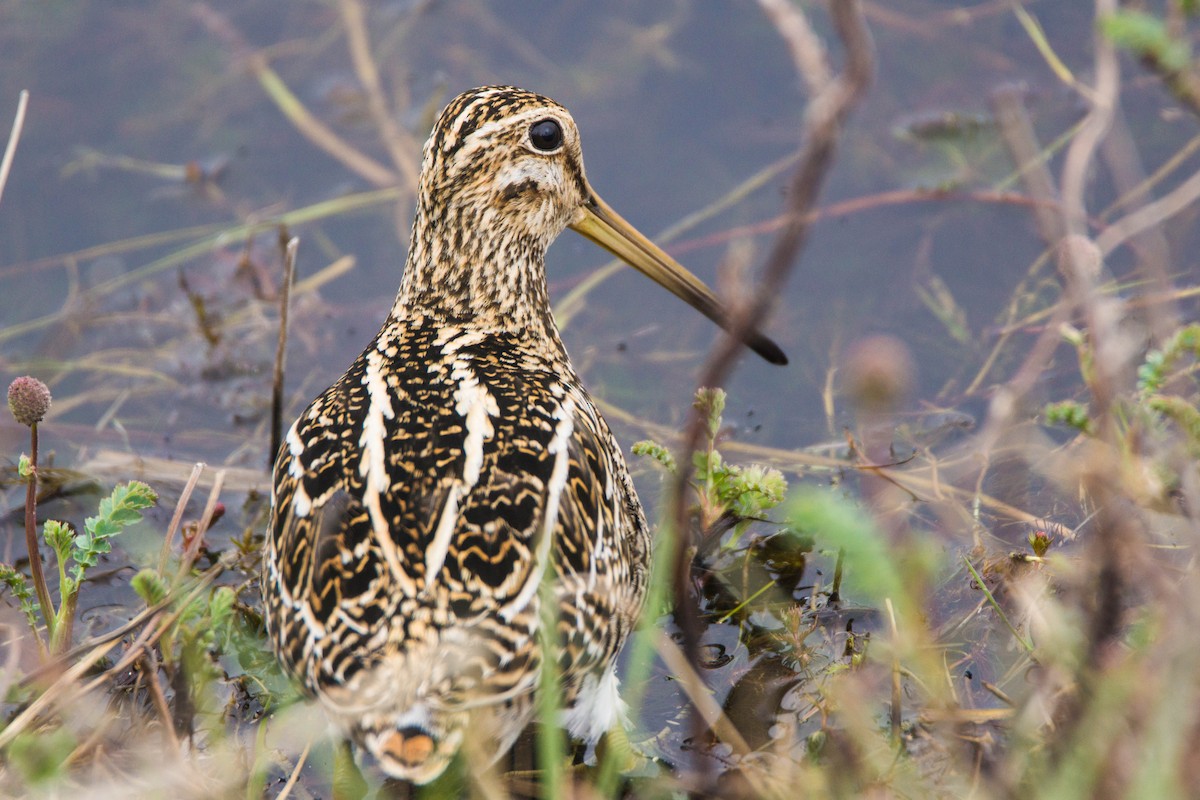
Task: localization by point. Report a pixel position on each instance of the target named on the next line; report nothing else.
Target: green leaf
(220, 609)
(221, 605)
(705, 461)
(870, 569)
(117, 511)
(1155, 369)
(749, 491)
(657, 452)
(1146, 35)
(1069, 413)
(149, 586)
(1183, 413)
(711, 402)
(60, 537)
(42, 756)
(17, 584)
(24, 466)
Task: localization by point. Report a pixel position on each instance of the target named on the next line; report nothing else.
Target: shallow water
(156, 350)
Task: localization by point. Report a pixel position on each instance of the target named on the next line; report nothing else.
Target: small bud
(1039, 542)
(28, 400)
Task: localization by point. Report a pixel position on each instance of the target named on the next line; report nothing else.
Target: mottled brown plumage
(420, 500)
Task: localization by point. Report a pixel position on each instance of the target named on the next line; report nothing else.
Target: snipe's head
(507, 160)
(502, 177)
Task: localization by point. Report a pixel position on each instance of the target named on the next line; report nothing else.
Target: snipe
(420, 500)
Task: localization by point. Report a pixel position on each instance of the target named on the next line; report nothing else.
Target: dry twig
(826, 112)
(290, 246)
(10, 151)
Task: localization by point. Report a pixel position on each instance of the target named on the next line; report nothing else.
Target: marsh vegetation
(949, 552)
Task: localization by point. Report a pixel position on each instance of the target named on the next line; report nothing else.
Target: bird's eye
(546, 135)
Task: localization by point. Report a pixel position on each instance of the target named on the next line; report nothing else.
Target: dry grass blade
(10, 645)
(1083, 148)
(896, 712)
(289, 104)
(150, 672)
(62, 690)
(286, 791)
(119, 464)
(202, 247)
(290, 246)
(400, 145)
(1017, 130)
(192, 548)
(1038, 36)
(979, 582)
(699, 695)
(177, 517)
(806, 48)
(1151, 247)
(66, 686)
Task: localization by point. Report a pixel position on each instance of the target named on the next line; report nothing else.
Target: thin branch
(10, 151)
(1150, 215)
(807, 49)
(822, 125)
(1081, 154)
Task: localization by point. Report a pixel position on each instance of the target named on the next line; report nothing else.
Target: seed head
(28, 400)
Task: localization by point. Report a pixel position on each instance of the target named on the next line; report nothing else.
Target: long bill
(608, 229)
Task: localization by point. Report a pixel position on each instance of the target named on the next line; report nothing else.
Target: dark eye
(546, 135)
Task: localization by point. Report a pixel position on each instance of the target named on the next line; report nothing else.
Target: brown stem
(31, 541)
(822, 126)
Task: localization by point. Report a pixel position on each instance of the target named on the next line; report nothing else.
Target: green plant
(1069, 413)
(1147, 36)
(19, 587)
(1165, 393)
(122, 508)
(29, 401)
(41, 758)
(74, 554)
(729, 494)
